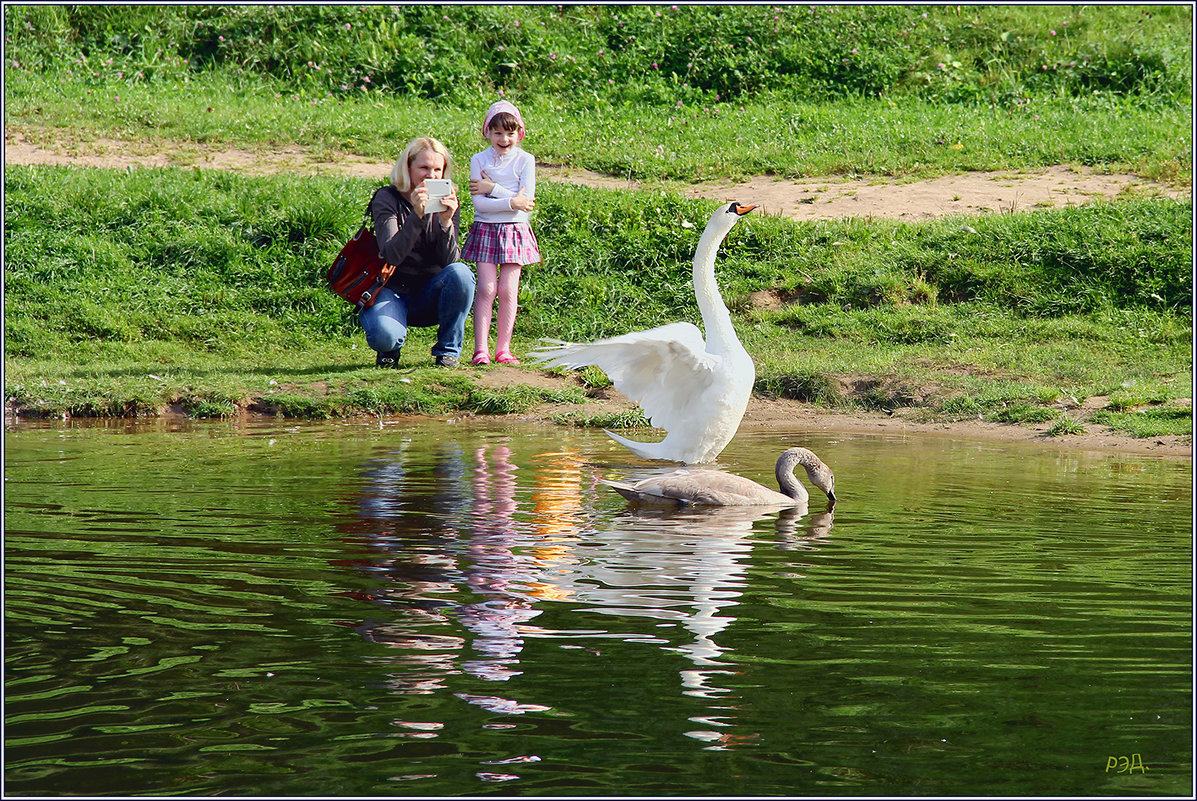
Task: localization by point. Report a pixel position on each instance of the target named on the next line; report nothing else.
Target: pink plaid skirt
(501, 243)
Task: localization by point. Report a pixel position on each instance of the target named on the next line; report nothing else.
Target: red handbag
(359, 272)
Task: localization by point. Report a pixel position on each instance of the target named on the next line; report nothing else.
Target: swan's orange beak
(741, 209)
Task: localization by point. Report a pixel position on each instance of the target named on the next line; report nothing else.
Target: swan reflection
(466, 550)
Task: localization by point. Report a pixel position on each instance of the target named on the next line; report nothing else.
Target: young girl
(503, 187)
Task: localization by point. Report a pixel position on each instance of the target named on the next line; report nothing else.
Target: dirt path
(832, 198)
(807, 199)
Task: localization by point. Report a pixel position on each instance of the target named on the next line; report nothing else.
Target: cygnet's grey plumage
(715, 488)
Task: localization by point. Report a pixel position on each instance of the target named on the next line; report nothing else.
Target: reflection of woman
(430, 286)
(495, 621)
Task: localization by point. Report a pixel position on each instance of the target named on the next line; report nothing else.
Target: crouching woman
(430, 285)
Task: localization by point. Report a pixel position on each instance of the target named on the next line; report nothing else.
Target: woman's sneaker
(388, 358)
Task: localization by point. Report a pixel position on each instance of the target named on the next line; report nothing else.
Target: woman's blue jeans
(445, 302)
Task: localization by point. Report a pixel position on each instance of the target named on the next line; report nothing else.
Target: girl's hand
(521, 202)
(451, 205)
(481, 186)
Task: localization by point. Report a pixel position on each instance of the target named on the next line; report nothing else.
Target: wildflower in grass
(349, 25)
(1053, 33)
(854, 51)
(221, 38)
(654, 65)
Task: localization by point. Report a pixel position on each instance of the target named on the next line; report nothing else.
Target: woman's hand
(419, 199)
(451, 204)
(521, 202)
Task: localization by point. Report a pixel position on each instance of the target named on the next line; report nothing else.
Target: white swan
(716, 488)
(694, 389)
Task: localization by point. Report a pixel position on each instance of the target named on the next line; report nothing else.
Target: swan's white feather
(695, 387)
(664, 370)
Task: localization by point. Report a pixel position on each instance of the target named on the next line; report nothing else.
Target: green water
(459, 609)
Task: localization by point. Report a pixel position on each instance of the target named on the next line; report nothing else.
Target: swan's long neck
(789, 483)
(716, 320)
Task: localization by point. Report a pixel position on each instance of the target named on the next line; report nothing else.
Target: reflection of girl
(503, 188)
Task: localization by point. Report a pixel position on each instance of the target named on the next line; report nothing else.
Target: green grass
(122, 300)
(881, 90)
(129, 292)
(627, 419)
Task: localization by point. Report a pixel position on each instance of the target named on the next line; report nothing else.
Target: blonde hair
(400, 177)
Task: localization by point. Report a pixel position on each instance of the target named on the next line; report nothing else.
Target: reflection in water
(453, 546)
(465, 558)
(494, 569)
(974, 608)
(686, 567)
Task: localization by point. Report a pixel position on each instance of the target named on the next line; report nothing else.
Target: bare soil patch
(806, 199)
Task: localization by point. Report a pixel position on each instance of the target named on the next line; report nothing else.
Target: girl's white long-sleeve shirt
(510, 173)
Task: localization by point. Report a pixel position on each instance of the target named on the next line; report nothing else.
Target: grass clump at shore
(127, 293)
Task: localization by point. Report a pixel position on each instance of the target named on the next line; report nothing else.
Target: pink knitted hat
(500, 107)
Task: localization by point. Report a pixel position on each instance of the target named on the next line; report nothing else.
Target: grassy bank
(130, 293)
(127, 293)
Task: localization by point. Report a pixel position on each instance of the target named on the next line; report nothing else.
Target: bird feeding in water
(696, 389)
(701, 487)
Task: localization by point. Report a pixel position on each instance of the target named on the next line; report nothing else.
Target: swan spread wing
(665, 370)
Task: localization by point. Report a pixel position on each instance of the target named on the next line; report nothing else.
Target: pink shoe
(505, 357)
(480, 358)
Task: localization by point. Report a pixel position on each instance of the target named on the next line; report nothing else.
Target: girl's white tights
(503, 283)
